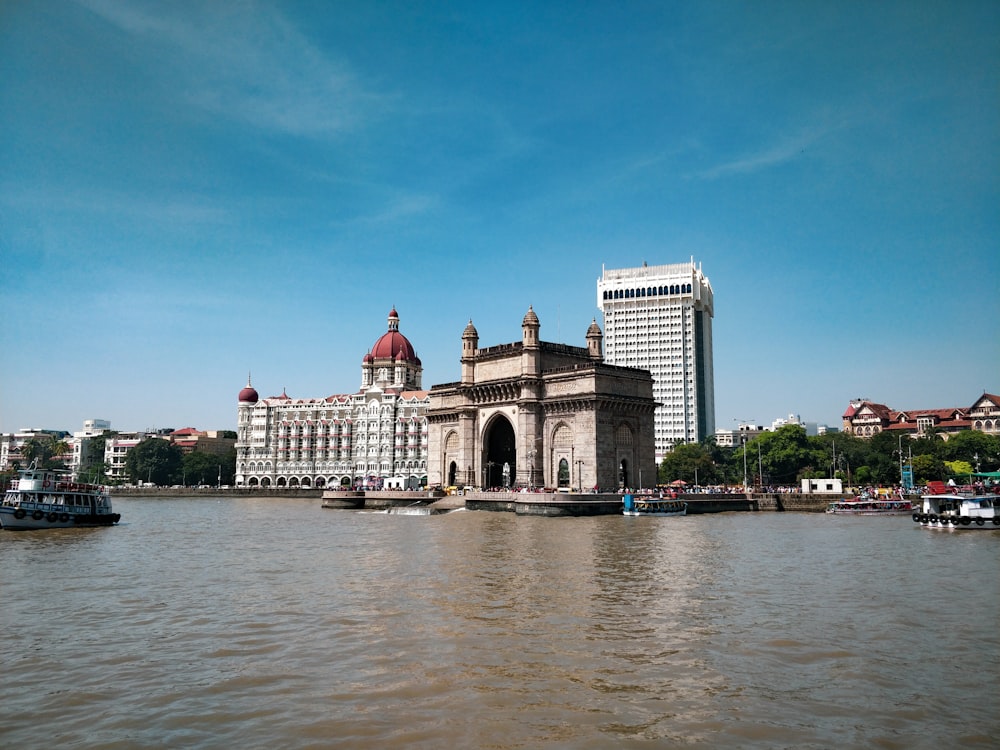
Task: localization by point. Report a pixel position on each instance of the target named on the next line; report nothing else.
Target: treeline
(788, 455)
(162, 463)
(152, 460)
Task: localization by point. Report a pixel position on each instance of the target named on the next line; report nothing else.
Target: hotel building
(375, 438)
(659, 318)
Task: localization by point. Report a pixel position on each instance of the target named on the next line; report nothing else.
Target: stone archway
(499, 451)
(623, 477)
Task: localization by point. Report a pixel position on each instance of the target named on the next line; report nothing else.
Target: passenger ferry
(959, 509)
(647, 505)
(871, 506)
(47, 499)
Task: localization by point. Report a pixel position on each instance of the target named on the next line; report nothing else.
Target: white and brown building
(373, 438)
(865, 418)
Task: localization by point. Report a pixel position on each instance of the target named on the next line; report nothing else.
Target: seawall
(521, 503)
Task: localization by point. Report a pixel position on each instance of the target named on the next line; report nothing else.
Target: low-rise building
(865, 418)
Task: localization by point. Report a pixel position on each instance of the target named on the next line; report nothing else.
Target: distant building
(373, 438)
(533, 413)
(865, 418)
(116, 448)
(12, 442)
(83, 444)
(659, 318)
(740, 436)
(811, 428)
(188, 439)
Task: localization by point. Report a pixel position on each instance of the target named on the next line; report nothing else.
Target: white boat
(653, 506)
(959, 510)
(871, 506)
(47, 499)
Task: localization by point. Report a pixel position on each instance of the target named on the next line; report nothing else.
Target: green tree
(927, 467)
(154, 460)
(691, 462)
(47, 451)
(961, 469)
(974, 447)
(783, 455)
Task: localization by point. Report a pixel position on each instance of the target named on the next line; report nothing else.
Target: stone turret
(470, 344)
(531, 348)
(595, 341)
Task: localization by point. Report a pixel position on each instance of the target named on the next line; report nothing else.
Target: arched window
(563, 472)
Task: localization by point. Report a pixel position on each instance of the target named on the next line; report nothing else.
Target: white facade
(375, 438)
(659, 318)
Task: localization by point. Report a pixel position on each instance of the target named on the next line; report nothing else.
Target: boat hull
(652, 506)
(869, 507)
(20, 519)
(957, 523)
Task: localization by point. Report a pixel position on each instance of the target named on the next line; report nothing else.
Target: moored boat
(47, 499)
(871, 506)
(652, 506)
(963, 510)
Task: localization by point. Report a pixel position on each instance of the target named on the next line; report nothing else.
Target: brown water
(261, 623)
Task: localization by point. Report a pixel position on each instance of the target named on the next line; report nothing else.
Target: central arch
(499, 450)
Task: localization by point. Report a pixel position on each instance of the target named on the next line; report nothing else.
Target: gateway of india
(525, 414)
(538, 414)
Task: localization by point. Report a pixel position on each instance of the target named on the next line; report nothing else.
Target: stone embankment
(521, 503)
(570, 504)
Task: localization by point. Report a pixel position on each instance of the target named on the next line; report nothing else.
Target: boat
(653, 506)
(48, 499)
(868, 505)
(964, 509)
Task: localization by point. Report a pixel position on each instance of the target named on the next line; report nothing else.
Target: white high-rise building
(659, 318)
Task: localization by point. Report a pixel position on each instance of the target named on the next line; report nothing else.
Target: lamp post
(579, 476)
(900, 460)
(743, 442)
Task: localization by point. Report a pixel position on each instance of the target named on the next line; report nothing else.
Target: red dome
(248, 395)
(392, 345)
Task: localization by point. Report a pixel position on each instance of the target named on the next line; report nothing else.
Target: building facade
(659, 318)
(538, 414)
(374, 438)
(865, 418)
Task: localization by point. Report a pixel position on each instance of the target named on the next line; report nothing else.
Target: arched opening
(500, 453)
(345, 482)
(452, 473)
(623, 480)
(563, 472)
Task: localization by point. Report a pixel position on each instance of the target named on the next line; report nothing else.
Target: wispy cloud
(764, 158)
(246, 62)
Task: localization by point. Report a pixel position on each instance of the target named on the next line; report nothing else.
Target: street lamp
(743, 443)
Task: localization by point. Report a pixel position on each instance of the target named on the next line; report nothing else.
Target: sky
(195, 193)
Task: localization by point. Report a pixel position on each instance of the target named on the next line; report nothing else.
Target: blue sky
(191, 192)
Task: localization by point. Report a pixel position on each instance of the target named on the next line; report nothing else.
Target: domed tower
(247, 398)
(595, 341)
(470, 343)
(392, 362)
(530, 346)
(249, 394)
